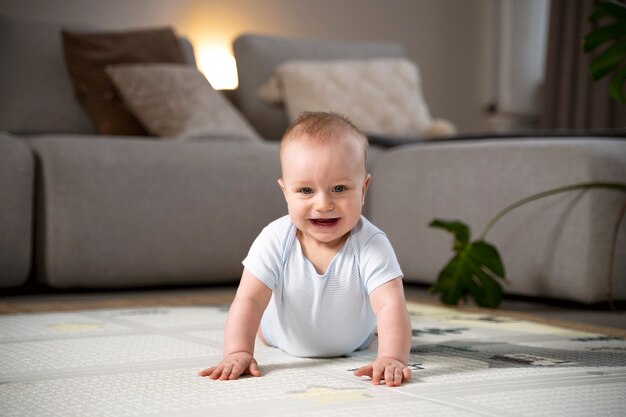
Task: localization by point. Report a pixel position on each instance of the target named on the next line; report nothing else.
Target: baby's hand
(391, 370)
(232, 366)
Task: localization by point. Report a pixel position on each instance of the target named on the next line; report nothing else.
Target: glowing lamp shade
(218, 66)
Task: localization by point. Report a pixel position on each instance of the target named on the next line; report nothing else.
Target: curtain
(571, 99)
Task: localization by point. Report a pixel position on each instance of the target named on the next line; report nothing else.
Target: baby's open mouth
(325, 222)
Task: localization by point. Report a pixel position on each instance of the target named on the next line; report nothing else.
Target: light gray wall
(449, 39)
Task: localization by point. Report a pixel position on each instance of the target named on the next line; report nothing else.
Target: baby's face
(325, 186)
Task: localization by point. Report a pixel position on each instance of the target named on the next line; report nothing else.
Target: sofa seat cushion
(557, 247)
(126, 212)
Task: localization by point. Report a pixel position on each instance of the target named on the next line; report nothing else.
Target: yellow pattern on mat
(326, 395)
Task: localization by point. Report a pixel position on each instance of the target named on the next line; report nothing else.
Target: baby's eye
(339, 188)
(305, 190)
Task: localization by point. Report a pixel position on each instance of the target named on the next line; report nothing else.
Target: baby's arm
(242, 324)
(394, 336)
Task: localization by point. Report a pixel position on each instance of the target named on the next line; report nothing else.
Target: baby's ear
(366, 184)
(281, 184)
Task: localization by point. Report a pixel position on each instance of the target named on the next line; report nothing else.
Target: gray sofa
(78, 210)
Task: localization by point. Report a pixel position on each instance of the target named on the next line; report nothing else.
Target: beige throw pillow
(177, 101)
(381, 96)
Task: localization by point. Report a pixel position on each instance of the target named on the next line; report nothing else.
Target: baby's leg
(367, 343)
(264, 333)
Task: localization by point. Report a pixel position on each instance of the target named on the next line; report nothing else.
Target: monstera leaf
(474, 270)
(611, 36)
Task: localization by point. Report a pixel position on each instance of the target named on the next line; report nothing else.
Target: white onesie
(315, 315)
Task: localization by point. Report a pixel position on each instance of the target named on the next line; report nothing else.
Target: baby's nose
(324, 202)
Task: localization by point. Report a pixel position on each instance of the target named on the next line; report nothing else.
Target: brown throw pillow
(88, 54)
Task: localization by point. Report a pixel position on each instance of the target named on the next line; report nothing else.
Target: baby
(318, 281)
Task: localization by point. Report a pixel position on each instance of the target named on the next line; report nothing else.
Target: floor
(547, 310)
(550, 310)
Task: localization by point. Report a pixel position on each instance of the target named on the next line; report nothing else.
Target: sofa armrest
(17, 174)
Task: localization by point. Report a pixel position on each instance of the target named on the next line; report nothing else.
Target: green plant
(613, 58)
(477, 270)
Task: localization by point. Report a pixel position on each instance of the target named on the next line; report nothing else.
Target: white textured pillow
(380, 96)
(175, 100)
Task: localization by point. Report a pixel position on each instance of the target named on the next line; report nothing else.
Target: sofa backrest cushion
(37, 94)
(258, 55)
(36, 90)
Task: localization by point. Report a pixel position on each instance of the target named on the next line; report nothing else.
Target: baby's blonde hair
(323, 127)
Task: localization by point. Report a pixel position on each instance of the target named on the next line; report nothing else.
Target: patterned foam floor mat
(144, 361)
